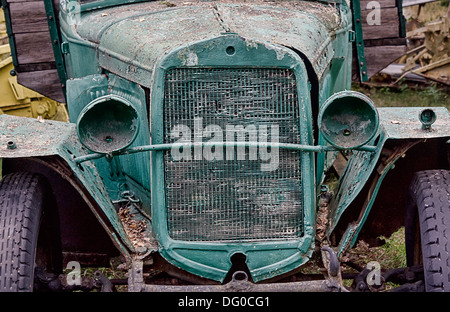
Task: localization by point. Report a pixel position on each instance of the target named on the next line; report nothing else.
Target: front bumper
(332, 281)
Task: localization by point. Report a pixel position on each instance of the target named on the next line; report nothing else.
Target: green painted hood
(133, 38)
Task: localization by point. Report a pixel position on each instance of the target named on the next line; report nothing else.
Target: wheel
(24, 202)
(427, 227)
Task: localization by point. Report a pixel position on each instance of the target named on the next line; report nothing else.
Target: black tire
(22, 200)
(429, 208)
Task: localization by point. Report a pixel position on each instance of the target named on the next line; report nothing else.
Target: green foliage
(406, 95)
(391, 254)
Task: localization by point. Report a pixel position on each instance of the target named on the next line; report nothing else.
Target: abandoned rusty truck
(200, 137)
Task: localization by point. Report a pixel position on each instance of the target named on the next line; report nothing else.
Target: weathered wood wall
(36, 67)
(383, 41)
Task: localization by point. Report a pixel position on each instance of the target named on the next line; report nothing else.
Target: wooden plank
(379, 57)
(379, 54)
(51, 88)
(34, 48)
(385, 42)
(407, 3)
(396, 71)
(364, 4)
(339, 163)
(28, 17)
(35, 67)
(389, 26)
(382, 42)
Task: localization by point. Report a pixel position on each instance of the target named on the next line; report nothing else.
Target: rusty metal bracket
(136, 276)
(107, 286)
(332, 265)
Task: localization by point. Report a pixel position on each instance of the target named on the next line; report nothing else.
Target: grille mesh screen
(232, 199)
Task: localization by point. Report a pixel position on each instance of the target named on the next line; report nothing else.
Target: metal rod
(168, 146)
(245, 286)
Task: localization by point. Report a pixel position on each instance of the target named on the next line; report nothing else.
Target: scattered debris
(430, 58)
(168, 4)
(322, 222)
(322, 214)
(428, 39)
(136, 227)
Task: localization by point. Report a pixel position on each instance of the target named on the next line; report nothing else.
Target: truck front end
(220, 135)
(200, 134)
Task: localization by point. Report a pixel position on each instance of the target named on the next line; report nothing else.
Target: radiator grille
(231, 199)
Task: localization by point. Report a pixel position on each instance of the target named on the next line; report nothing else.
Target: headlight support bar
(169, 146)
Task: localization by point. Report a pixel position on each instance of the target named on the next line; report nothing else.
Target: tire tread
(430, 191)
(19, 227)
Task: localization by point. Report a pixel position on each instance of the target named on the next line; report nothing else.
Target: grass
(111, 273)
(406, 95)
(392, 254)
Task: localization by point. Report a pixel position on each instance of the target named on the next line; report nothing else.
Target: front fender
(399, 124)
(27, 137)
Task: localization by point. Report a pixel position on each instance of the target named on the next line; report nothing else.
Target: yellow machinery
(18, 100)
